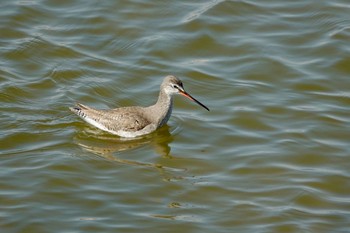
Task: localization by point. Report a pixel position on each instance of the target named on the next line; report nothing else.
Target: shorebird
(136, 120)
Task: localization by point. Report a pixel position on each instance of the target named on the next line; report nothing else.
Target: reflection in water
(188, 218)
(100, 143)
(107, 146)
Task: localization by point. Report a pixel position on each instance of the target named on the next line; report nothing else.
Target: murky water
(272, 155)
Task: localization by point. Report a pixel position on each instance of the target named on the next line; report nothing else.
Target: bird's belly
(131, 134)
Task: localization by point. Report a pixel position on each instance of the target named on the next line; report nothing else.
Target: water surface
(272, 155)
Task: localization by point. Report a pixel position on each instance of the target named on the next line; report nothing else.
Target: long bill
(184, 93)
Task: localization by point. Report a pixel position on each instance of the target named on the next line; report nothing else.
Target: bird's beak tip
(184, 93)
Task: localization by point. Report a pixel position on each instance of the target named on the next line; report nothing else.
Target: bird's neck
(163, 108)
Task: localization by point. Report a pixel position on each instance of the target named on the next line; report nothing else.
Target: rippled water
(272, 155)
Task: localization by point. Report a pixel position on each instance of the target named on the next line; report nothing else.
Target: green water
(272, 155)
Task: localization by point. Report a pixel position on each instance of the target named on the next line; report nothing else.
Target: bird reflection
(108, 146)
(92, 140)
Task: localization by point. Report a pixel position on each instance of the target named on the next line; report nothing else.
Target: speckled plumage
(136, 121)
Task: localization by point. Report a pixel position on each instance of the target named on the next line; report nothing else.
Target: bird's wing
(129, 119)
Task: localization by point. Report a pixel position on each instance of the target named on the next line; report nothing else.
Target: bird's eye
(175, 86)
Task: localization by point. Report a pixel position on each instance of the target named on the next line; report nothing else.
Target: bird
(136, 121)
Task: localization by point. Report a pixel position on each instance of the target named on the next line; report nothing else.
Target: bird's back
(128, 119)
